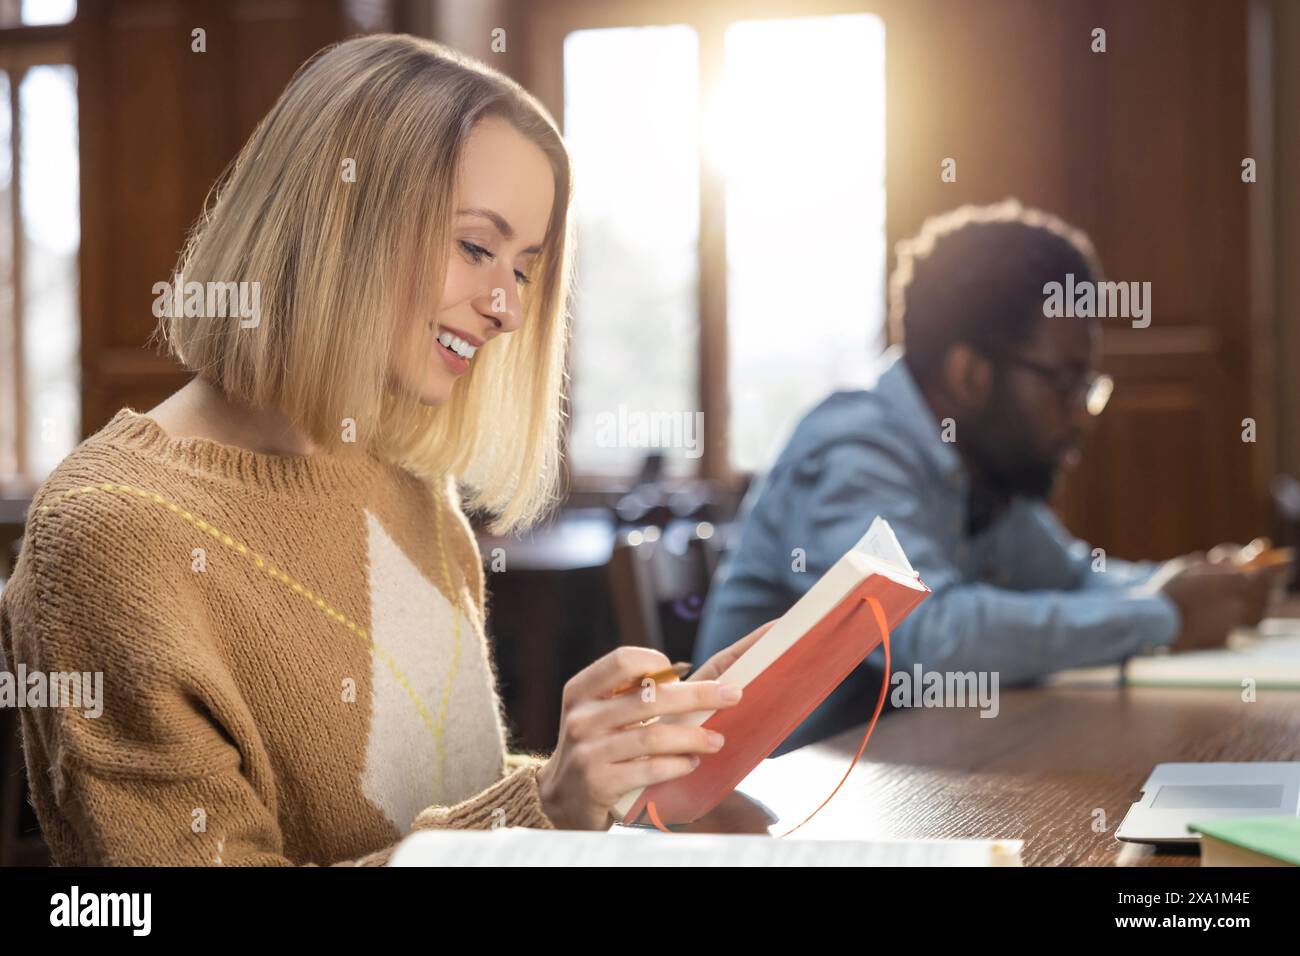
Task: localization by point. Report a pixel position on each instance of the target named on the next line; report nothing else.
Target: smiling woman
(362, 204)
(271, 569)
(505, 189)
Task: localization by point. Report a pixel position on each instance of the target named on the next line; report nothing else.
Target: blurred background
(744, 170)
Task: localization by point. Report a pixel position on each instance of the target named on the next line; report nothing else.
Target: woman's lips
(455, 364)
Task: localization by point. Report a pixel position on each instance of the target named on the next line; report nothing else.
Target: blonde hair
(339, 262)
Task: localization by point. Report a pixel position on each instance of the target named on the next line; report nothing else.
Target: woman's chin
(431, 388)
(437, 392)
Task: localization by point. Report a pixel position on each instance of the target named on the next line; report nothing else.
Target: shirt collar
(899, 390)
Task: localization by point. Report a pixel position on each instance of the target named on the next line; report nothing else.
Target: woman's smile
(456, 349)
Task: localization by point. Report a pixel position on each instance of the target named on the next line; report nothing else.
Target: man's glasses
(1093, 388)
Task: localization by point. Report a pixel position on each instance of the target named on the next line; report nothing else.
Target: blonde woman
(271, 569)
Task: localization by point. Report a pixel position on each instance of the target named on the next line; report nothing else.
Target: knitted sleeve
(155, 777)
(514, 798)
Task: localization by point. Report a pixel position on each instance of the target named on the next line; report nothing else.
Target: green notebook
(1250, 841)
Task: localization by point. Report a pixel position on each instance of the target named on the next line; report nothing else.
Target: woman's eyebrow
(503, 227)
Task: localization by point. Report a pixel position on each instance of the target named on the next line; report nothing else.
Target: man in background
(957, 445)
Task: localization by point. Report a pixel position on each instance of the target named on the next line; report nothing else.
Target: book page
(880, 543)
(637, 846)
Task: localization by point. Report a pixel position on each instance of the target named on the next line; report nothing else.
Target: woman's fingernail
(695, 762)
(716, 739)
(730, 694)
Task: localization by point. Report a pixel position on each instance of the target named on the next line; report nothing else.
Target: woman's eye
(476, 253)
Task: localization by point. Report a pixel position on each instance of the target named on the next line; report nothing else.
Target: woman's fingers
(719, 662)
(654, 740)
(623, 665)
(610, 745)
(591, 718)
(642, 756)
(619, 779)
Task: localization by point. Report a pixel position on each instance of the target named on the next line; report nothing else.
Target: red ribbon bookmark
(883, 624)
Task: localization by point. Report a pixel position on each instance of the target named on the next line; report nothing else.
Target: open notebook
(1267, 656)
(517, 846)
(789, 671)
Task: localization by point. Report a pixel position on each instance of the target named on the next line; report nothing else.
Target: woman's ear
(967, 376)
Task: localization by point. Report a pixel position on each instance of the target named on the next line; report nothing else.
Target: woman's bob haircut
(343, 260)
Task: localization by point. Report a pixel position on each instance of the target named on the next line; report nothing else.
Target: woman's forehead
(504, 173)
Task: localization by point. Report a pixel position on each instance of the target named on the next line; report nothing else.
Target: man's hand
(1266, 567)
(1212, 600)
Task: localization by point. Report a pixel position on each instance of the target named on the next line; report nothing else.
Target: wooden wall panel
(159, 123)
(1160, 132)
(1141, 147)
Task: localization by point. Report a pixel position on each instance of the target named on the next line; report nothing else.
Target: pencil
(666, 676)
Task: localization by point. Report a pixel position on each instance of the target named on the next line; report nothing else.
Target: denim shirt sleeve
(1091, 571)
(963, 625)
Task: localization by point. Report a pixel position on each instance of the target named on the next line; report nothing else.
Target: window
(33, 13)
(801, 146)
(39, 242)
(630, 107)
(786, 119)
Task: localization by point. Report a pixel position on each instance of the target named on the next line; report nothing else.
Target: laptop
(1177, 793)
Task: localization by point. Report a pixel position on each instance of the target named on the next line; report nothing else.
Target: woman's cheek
(458, 286)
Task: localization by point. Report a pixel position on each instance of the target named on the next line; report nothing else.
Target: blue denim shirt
(1021, 598)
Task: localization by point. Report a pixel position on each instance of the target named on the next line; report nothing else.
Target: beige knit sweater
(293, 660)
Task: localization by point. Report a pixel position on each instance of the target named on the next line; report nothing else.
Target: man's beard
(1020, 479)
(1003, 463)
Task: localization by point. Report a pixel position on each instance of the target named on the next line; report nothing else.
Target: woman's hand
(719, 662)
(605, 749)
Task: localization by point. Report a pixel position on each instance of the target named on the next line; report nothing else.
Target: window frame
(545, 26)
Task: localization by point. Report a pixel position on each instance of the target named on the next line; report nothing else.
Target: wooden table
(1039, 771)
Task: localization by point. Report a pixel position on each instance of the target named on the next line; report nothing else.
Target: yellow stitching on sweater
(297, 588)
(455, 652)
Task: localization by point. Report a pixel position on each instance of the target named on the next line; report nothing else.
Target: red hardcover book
(789, 671)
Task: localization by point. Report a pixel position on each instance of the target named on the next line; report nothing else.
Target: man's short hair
(976, 275)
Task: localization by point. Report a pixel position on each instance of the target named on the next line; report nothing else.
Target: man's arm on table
(1087, 570)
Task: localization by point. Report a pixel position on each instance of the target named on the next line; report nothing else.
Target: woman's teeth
(457, 345)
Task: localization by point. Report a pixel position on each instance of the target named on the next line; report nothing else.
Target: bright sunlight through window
(797, 127)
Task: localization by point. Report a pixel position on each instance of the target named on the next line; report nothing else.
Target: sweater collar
(317, 474)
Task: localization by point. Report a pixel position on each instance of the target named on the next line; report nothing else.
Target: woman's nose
(504, 308)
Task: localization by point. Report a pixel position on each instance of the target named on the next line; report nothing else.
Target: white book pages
(880, 543)
(635, 846)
